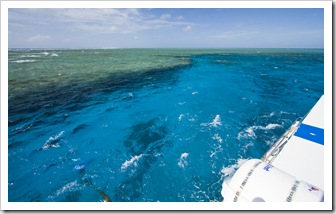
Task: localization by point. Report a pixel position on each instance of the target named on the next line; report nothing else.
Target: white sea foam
(212, 154)
(216, 122)
(51, 140)
(79, 167)
(184, 155)
(55, 137)
(195, 92)
(24, 60)
(45, 53)
(46, 146)
(192, 119)
(183, 162)
(54, 54)
(249, 132)
(133, 161)
(269, 115)
(248, 145)
(270, 126)
(218, 138)
(217, 149)
(229, 170)
(180, 117)
(284, 112)
(271, 141)
(68, 187)
(30, 56)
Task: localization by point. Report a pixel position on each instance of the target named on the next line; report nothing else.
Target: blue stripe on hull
(311, 133)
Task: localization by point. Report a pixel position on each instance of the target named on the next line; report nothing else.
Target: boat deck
(306, 148)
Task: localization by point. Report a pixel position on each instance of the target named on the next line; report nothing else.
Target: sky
(166, 28)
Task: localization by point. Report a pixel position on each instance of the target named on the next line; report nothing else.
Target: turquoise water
(148, 124)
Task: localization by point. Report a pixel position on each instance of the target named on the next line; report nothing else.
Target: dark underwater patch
(145, 137)
(79, 128)
(54, 98)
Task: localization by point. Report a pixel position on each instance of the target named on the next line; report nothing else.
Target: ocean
(147, 125)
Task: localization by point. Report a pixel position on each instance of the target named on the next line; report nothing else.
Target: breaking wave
(183, 160)
(229, 170)
(132, 162)
(215, 123)
(69, 187)
(53, 141)
(29, 56)
(250, 131)
(24, 60)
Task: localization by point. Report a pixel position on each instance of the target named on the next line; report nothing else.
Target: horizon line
(112, 48)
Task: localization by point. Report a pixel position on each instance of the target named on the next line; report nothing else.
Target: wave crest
(133, 161)
(53, 141)
(183, 162)
(215, 123)
(229, 170)
(250, 131)
(24, 60)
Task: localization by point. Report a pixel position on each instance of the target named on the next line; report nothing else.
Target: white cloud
(113, 28)
(102, 20)
(234, 34)
(187, 28)
(180, 18)
(97, 20)
(165, 16)
(38, 38)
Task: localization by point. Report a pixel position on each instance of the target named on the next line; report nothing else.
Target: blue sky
(166, 28)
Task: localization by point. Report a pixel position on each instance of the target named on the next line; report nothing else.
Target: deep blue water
(170, 134)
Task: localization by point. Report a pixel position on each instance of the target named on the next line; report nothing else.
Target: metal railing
(281, 142)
